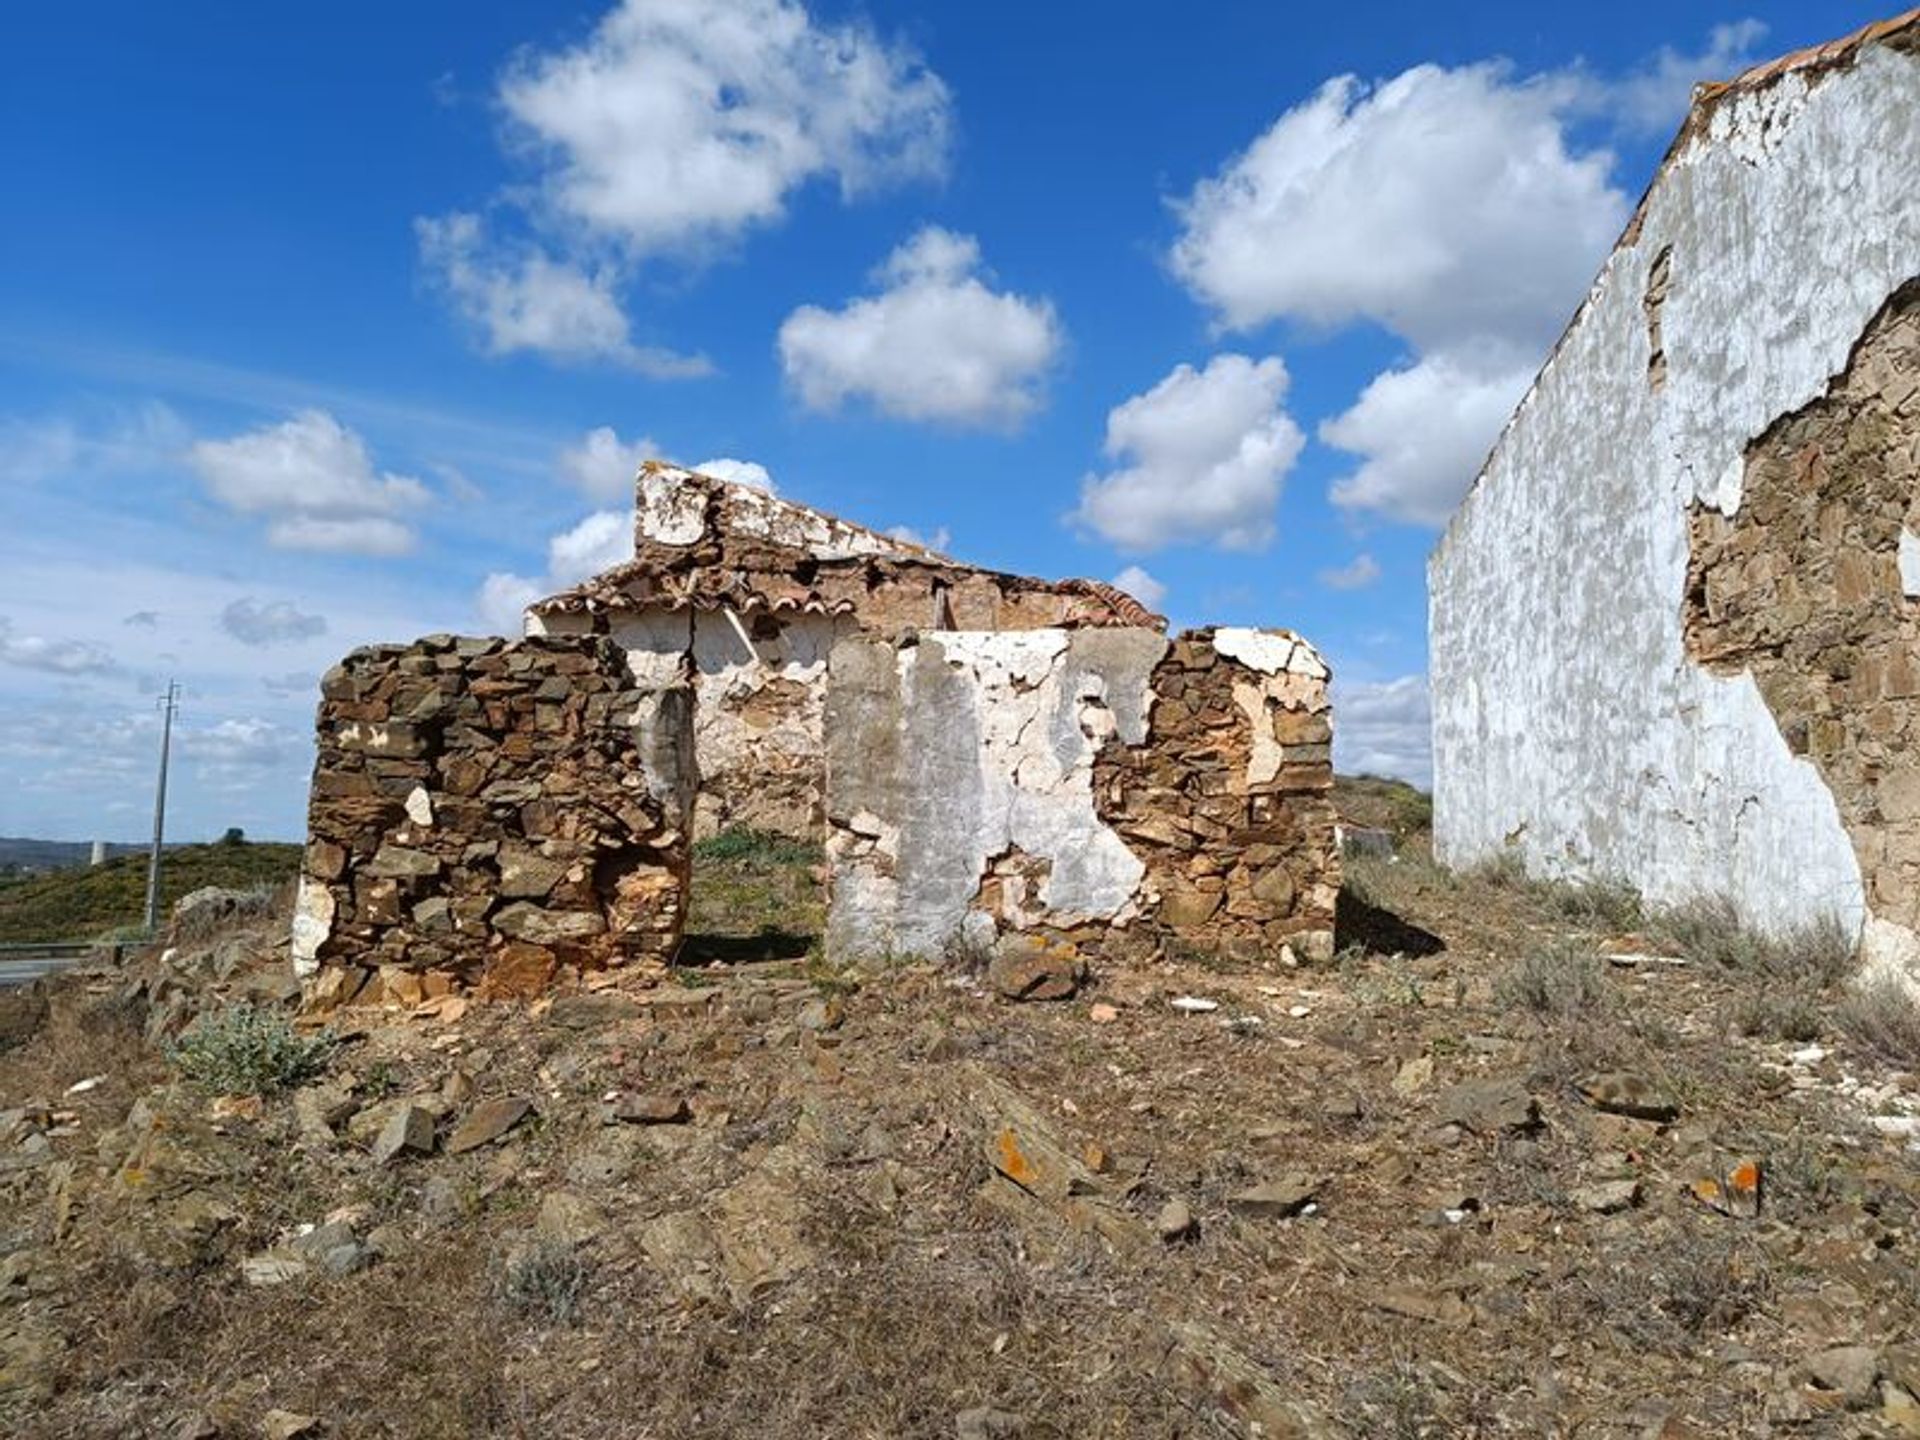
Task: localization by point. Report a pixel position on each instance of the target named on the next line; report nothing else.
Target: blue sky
(327, 325)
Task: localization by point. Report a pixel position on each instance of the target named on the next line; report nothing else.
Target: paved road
(22, 972)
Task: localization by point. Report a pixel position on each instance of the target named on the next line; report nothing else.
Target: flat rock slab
(1490, 1107)
(651, 1109)
(487, 1122)
(591, 1011)
(409, 1131)
(1436, 1307)
(1277, 1199)
(1621, 1092)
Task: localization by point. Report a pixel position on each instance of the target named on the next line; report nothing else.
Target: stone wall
(1810, 588)
(491, 815)
(1229, 802)
(1105, 786)
(1572, 726)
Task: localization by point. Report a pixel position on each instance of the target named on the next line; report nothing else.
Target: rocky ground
(1473, 1179)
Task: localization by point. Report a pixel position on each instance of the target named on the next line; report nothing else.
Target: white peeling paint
(1910, 564)
(1272, 652)
(313, 912)
(1568, 719)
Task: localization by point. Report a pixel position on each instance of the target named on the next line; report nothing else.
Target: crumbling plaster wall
(1809, 587)
(1104, 785)
(491, 814)
(1570, 723)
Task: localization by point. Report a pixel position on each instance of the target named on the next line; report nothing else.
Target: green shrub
(246, 1050)
(759, 847)
(543, 1281)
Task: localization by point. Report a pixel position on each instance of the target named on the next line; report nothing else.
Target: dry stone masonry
(488, 814)
(1230, 803)
(1672, 622)
(990, 758)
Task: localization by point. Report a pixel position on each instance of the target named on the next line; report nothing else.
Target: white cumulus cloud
(670, 130)
(749, 473)
(527, 300)
(683, 122)
(1423, 431)
(1443, 204)
(314, 481)
(58, 657)
(1448, 206)
(1653, 98)
(602, 465)
(1142, 586)
(935, 344)
(1356, 574)
(503, 600)
(1203, 457)
(601, 541)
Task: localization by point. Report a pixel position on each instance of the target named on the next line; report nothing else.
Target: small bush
(543, 1281)
(1768, 1014)
(246, 1050)
(1883, 1015)
(1603, 904)
(1710, 932)
(1562, 982)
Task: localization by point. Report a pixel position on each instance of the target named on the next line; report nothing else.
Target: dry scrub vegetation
(1444, 1187)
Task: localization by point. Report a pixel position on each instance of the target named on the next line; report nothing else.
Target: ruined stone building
(984, 756)
(1674, 623)
(745, 595)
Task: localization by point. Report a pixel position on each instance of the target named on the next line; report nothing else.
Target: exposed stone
(1031, 967)
(651, 1109)
(987, 1423)
(1490, 1107)
(1621, 1092)
(536, 816)
(1849, 1370)
(1277, 1199)
(487, 1122)
(409, 1131)
(1175, 1222)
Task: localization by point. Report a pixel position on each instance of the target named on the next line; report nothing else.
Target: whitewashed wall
(1568, 721)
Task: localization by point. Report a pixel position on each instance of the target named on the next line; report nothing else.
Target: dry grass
(1883, 1015)
(1709, 932)
(1560, 983)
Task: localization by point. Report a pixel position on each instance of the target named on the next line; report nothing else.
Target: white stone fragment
(1272, 652)
(420, 807)
(312, 923)
(1910, 564)
(1194, 1004)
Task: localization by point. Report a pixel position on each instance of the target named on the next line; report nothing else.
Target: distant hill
(1383, 804)
(22, 854)
(80, 903)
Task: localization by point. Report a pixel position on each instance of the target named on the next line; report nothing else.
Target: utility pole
(167, 706)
